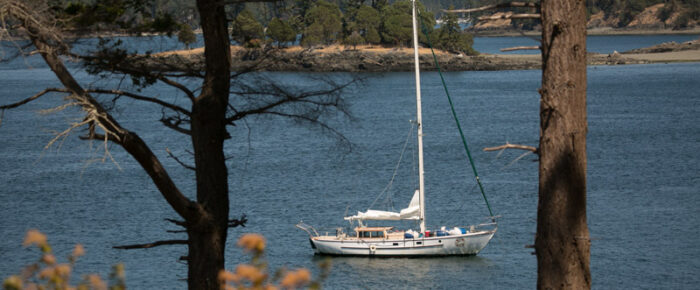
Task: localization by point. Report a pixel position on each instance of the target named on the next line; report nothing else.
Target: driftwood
(510, 16)
(512, 146)
(495, 6)
(534, 47)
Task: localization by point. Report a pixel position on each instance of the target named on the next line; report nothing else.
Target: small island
(365, 58)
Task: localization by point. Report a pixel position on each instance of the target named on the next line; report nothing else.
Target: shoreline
(599, 31)
(337, 58)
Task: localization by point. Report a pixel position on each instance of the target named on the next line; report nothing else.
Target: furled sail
(409, 213)
(412, 212)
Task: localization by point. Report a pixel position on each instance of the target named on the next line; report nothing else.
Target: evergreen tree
(245, 29)
(397, 26)
(450, 36)
(323, 24)
(354, 39)
(313, 35)
(186, 35)
(372, 36)
(367, 23)
(281, 31)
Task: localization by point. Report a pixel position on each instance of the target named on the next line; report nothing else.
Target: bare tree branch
(146, 66)
(170, 154)
(151, 245)
(32, 98)
(173, 122)
(177, 222)
(285, 97)
(495, 6)
(141, 98)
(311, 121)
(232, 223)
(177, 85)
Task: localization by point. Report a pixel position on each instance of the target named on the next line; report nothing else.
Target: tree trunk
(562, 242)
(207, 234)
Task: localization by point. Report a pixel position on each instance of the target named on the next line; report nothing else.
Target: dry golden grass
(323, 49)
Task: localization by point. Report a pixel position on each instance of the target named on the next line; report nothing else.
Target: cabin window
(419, 243)
(371, 234)
(396, 244)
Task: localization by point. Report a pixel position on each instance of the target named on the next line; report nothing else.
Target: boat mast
(419, 121)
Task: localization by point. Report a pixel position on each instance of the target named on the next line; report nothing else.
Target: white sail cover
(409, 213)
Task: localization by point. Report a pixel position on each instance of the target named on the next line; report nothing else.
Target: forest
(347, 22)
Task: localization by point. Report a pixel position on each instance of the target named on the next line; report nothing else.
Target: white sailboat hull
(453, 245)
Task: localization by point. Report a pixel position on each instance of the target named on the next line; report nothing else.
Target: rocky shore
(377, 59)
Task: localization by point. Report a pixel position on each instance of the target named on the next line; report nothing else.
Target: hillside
(624, 16)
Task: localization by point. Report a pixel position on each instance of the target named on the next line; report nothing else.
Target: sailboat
(385, 241)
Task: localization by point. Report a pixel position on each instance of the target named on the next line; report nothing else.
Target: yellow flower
(225, 276)
(48, 259)
(119, 271)
(252, 242)
(296, 278)
(96, 282)
(250, 273)
(78, 250)
(34, 237)
(63, 270)
(46, 273)
(12, 283)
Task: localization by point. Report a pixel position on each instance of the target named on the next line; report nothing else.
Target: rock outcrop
(667, 47)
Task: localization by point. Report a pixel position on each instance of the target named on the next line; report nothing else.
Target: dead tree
(562, 242)
(206, 218)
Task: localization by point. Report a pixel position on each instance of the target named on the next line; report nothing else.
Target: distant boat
(386, 241)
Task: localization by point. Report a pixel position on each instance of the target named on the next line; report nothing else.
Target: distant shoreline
(336, 58)
(601, 31)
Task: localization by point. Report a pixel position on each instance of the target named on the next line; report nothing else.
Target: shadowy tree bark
(562, 243)
(205, 219)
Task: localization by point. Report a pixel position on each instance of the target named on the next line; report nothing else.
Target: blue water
(595, 43)
(643, 152)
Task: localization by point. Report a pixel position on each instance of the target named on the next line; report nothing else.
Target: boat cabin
(372, 232)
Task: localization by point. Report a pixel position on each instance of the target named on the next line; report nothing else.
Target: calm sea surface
(643, 178)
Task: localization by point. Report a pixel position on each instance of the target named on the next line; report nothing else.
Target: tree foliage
(280, 31)
(451, 37)
(367, 22)
(397, 26)
(324, 24)
(186, 35)
(354, 40)
(245, 29)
